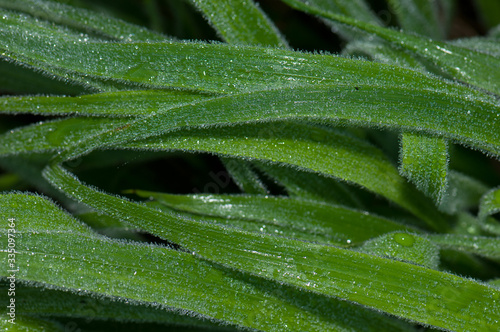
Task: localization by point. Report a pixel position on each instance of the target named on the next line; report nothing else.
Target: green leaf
(405, 247)
(315, 150)
(464, 192)
(84, 20)
(452, 117)
(489, 205)
(51, 245)
(201, 66)
(310, 186)
(388, 285)
(354, 8)
(447, 11)
(42, 29)
(54, 135)
(244, 175)
(240, 22)
(488, 45)
(418, 16)
(111, 104)
(28, 324)
(460, 63)
(424, 161)
(42, 300)
(383, 52)
(488, 247)
(295, 218)
(495, 283)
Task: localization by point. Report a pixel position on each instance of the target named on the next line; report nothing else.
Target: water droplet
(404, 239)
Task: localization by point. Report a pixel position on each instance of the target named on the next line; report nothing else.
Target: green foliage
(345, 198)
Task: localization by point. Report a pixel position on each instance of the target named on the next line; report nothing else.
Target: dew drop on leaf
(404, 239)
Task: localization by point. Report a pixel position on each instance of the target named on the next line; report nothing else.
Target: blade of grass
(240, 22)
(244, 176)
(310, 186)
(31, 28)
(464, 192)
(339, 225)
(315, 151)
(405, 247)
(111, 104)
(462, 64)
(383, 53)
(424, 161)
(52, 135)
(418, 16)
(488, 247)
(354, 8)
(53, 248)
(478, 126)
(210, 67)
(448, 116)
(489, 205)
(84, 20)
(488, 45)
(388, 285)
(49, 301)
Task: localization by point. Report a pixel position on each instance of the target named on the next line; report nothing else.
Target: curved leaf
(50, 243)
(310, 186)
(417, 16)
(388, 285)
(315, 151)
(244, 176)
(82, 19)
(336, 224)
(240, 22)
(484, 246)
(201, 66)
(462, 64)
(110, 104)
(489, 205)
(405, 247)
(453, 117)
(424, 161)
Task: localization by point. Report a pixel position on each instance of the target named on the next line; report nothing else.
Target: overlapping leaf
(314, 151)
(240, 22)
(369, 280)
(480, 69)
(293, 217)
(50, 243)
(424, 161)
(255, 105)
(100, 24)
